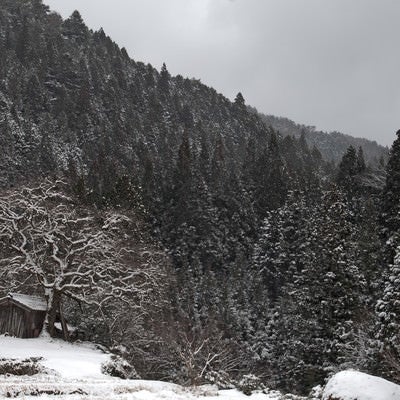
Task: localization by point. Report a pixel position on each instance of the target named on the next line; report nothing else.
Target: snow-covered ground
(353, 385)
(68, 360)
(74, 373)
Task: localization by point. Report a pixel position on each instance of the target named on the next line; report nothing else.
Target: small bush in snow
(221, 379)
(120, 368)
(316, 393)
(28, 366)
(249, 383)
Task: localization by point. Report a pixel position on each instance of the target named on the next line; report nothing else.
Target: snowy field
(74, 373)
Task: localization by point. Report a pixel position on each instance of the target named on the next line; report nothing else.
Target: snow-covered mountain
(332, 145)
(270, 259)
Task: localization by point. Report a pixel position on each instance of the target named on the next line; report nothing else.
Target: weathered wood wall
(20, 323)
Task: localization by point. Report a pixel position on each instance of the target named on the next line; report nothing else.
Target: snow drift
(353, 385)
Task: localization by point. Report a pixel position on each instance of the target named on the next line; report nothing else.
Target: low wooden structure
(22, 315)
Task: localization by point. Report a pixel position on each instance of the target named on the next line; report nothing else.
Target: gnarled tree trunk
(53, 305)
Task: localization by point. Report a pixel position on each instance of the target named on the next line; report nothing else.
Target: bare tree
(203, 355)
(74, 252)
(200, 353)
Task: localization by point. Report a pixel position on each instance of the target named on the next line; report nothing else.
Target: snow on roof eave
(34, 303)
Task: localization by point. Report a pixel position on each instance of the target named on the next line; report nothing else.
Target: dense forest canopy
(265, 257)
(331, 145)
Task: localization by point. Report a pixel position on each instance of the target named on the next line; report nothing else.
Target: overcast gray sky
(334, 64)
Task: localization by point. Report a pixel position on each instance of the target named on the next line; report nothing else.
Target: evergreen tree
(22, 44)
(391, 194)
(388, 312)
(361, 166)
(239, 100)
(75, 29)
(387, 306)
(271, 179)
(347, 167)
(218, 173)
(320, 306)
(34, 97)
(303, 142)
(204, 156)
(267, 255)
(164, 80)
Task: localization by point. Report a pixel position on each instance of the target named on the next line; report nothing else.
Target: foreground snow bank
(33, 388)
(353, 385)
(66, 359)
(73, 372)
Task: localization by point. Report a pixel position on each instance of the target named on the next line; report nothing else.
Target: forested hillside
(263, 256)
(331, 145)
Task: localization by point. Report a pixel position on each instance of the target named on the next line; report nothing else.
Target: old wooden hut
(22, 315)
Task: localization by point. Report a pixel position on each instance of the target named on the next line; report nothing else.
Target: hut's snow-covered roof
(35, 303)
